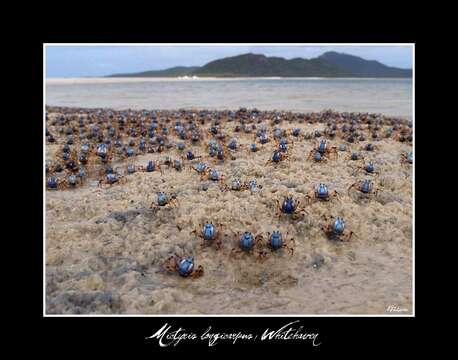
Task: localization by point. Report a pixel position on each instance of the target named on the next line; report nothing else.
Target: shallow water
(388, 96)
(104, 247)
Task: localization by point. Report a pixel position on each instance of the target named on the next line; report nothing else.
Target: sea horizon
(387, 96)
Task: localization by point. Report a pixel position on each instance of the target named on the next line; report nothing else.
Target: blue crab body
(263, 138)
(342, 147)
(181, 146)
(288, 205)
(177, 165)
(317, 156)
(52, 183)
(85, 148)
(369, 147)
(253, 147)
(246, 241)
(253, 185)
(276, 156)
(200, 167)
(209, 232)
(186, 266)
(236, 184)
(296, 132)
(276, 240)
(233, 144)
(58, 167)
(283, 141)
(70, 165)
(338, 226)
(130, 152)
(322, 191)
(370, 167)
(81, 173)
(366, 187)
(130, 169)
(410, 158)
(214, 175)
(72, 179)
(162, 199)
(102, 150)
(283, 147)
(150, 167)
(111, 178)
(190, 155)
(322, 146)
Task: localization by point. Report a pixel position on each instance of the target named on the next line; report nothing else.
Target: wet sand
(104, 246)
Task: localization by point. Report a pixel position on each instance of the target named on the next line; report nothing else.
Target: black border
(127, 334)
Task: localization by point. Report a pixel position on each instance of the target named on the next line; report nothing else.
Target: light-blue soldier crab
(162, 200)
(209, 234)
(335, 228)
(320, 192)
(183, 266)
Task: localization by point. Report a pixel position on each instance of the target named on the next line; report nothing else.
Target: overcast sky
(78, 61)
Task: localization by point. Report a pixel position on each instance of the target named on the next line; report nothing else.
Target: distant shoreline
(98, 79)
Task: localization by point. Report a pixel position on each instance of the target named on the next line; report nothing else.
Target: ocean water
(387, 96)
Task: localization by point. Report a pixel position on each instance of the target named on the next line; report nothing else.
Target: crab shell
(72, 179)
(111, 178)
(150, 167)
(276, 156)
(186, 266)
(288, 206)
(236, 184)
(366, 186)
(161, 199)
(338, 226)
(322, 191)
(52, 183)
(246, 241)
(276, 241)
(209, 231)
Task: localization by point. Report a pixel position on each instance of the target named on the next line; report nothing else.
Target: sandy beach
(105, 246)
